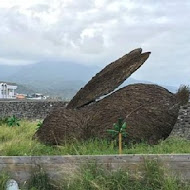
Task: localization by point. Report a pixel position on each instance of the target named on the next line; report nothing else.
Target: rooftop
(9, 83)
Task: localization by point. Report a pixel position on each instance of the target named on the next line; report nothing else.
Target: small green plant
(13, 121)
(119, 130)
(39, 124)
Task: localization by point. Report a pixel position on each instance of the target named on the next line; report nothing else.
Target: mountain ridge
(56, 78)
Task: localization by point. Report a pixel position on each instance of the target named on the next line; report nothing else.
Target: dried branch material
(109, 78)
(150, 110)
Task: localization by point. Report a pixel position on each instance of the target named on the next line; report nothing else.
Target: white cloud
(97, 32)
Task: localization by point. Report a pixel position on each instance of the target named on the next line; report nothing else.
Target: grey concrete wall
(29, 109)
(182, 126)
(57, 167)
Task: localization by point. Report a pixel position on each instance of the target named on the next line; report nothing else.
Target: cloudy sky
(99, 31)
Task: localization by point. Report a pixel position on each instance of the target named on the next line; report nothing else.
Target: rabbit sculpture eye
(150, 111)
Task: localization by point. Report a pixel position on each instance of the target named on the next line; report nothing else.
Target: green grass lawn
(18, 141)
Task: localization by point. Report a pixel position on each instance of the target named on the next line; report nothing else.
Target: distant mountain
(8, 70)
(50, 78)
(22, 89)
(55, 78)
(134, 81)
(54, 72)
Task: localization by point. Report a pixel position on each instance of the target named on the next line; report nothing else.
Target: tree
(119, 129)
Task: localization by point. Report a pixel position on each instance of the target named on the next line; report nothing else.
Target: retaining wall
(20, 167)
(29, 109)
(182, 126)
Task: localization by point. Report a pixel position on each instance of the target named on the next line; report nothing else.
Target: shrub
(182, 94)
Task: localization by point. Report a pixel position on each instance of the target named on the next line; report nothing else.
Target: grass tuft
(96, 177)
(4, 177)
(39, 180)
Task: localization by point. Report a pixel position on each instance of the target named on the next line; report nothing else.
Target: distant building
(37, 96)
(21, 96)
(7, 90)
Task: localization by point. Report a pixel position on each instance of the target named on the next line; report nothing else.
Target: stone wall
(57, 167)
(28, 109)
(182, 126)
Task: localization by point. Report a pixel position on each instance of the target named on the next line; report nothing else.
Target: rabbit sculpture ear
(109, 78)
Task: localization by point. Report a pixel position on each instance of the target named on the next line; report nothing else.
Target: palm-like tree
(119, 129)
